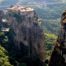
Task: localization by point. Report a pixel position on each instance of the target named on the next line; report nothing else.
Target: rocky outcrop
(58, 57)
(28, 36)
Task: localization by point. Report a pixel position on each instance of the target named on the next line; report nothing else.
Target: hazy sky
(1, 1)
(33, 1)
(44, 1)
(63, 1)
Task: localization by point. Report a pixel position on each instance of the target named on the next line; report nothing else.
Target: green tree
(4, 58)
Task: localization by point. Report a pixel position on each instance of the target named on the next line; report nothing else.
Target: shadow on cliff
(20, 55)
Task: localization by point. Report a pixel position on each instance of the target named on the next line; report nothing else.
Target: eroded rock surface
(28, 37)
(58, 57)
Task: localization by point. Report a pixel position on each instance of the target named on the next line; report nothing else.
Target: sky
(39, 1)
(48, 1)
(1, 1)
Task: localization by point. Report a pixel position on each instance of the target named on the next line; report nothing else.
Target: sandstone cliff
(28, 36)
(58, 57)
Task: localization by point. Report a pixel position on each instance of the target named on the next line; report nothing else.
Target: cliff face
(28, 36)
(58, 57)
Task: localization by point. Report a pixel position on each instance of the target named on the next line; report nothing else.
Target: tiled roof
(20, 8)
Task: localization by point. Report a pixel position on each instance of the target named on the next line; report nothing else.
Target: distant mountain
(48, 10)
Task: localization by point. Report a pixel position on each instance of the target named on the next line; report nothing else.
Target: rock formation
(28, 36)
(58, 57)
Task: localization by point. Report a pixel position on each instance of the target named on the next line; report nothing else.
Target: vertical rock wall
(58, 57)
(28, 36)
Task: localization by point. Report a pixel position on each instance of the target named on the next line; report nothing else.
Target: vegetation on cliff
(50, 40)
(4, 57)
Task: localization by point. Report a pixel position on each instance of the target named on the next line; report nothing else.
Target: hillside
(48, 11)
